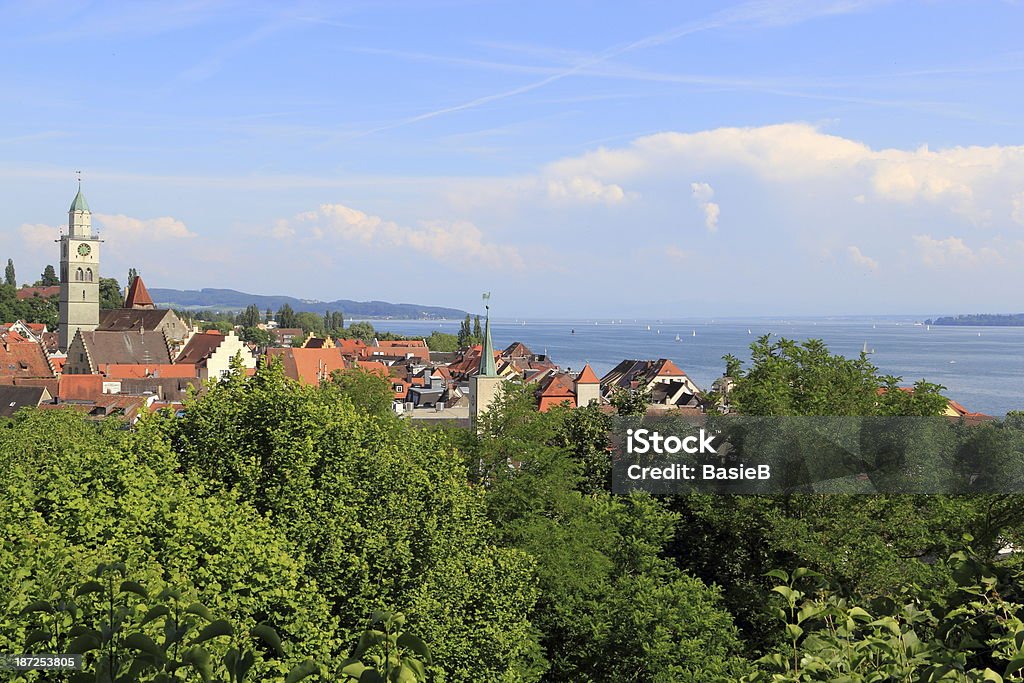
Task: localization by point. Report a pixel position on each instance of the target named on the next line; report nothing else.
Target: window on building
(79, 275)
(88, 275)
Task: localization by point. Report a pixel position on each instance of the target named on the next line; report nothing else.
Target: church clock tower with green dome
(79, 274)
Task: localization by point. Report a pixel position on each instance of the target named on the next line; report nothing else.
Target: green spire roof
(79, 204)
(487, 368)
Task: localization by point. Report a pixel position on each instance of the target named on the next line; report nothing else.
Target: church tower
(485, 384)
(79, 273)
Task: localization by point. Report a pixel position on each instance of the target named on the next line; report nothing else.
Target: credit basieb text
(645, 441)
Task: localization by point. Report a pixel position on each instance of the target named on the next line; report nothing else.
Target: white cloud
(39, 236)
(968, 180)
(953, 251)
(676, 254)
(586, 189)
(702, 194)
(444, 241)
(859, 259)
(126, 228)
(1017, 208)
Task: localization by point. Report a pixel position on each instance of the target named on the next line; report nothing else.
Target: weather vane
(486, 298)
(79, 174)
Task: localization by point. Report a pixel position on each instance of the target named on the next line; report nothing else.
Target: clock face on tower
(84, 249)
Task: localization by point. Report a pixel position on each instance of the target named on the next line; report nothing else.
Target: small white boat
(695, 333)
(677, 338)
(748, 331)
(648, 328)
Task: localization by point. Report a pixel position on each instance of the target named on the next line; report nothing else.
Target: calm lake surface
(981, 367)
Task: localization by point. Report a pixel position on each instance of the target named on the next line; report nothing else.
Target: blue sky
(574, 158)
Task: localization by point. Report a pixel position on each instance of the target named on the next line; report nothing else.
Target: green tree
(110, 293)
(790, 378)
(478, 331)
(132, 274)
(337, 323)
(465, 333)
(9, 277)
(361, 330)
(102, 494)
(382, 510)
(255, 335)
(630, 402)
(286, 317)
(367, 391)
(310, 323)
(439, 341)
(49, 277)
(610, 607)
(250, 317)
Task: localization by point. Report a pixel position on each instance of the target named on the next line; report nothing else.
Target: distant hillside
(231, 300)
(989, 319)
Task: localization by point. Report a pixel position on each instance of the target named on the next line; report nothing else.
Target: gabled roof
(309, 366)
(14, 398)
(80, 387)
(200, 347)
(123, 319)
(138, 295)
(126, 348)
(20, 358)
(639, 373)
(587, 376)
(556, 389)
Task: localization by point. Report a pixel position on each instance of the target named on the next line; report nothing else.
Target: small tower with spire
(79, 273)
(484, 385)
(587, 386)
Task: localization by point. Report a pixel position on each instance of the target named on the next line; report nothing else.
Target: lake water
(981, 367)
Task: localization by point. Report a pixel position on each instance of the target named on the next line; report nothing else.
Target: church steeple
(79, 215)
(485, 385)
(487, 368)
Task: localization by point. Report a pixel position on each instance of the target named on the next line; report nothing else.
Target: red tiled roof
(138, 295)
(125, 371)
(309, 366)
(20, 358)
(556, 389)
(44, 292)
(401, 343)
(669, 369)
(376, 367)
(80, 387)
(58, 363)
(587, 376)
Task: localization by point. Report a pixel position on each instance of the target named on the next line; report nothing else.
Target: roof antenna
(79, 174)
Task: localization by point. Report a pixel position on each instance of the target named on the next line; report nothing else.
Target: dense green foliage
(32, 310)
(110, 293)
(788, 378)
(316, 512)
(48, 278)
